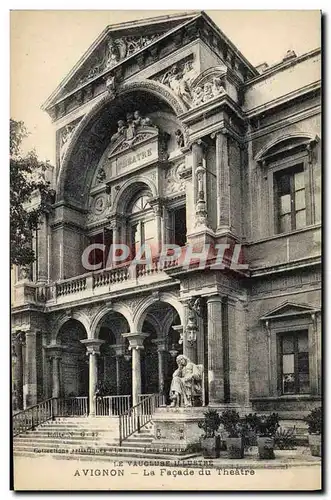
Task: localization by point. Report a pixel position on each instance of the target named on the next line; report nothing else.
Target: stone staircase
(83, 438)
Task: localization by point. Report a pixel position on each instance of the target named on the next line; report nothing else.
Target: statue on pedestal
(186, 385)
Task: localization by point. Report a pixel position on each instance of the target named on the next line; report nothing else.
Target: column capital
(18, 337)
(157, 203)
(136, 339)
(93, 345)
(198, 143)
(215, 298)
(160, 343)
(119, 349)
(54, 350)
(223, 131)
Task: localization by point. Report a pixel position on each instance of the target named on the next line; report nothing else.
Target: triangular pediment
(114, 45)
(288, 309)
(123, 144)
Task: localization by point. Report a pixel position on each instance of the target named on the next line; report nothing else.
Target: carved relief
(66, 134)
(192, 88)
(116, 50)
(111, 86)
(180, 141)
(179, 78)
(208, 91)
(99, 205)
(173, 183)
(128, 129)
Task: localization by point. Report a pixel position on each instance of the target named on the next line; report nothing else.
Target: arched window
(140, 204)
(142, 228)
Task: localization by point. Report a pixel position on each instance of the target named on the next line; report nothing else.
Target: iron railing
(138, 416)
(112, 405)
(71, 407)
(31, 417)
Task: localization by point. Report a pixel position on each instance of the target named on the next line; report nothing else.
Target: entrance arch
(162, 322)
(92, 134)
(114, 371)
(74, 369)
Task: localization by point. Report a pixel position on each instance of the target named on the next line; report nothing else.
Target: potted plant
(234, 428)
(265, 427)
(314, 421)
(210, 442)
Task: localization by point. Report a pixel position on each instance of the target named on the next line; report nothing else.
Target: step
(64, 443)
(115, 454)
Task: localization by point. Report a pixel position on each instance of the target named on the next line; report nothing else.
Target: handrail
(35, 415)
(138, 416)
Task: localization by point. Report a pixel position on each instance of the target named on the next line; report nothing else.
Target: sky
(45, 45)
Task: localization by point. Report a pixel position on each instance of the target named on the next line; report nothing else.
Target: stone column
(55, 354)
(136, 340)
(30, 369)
(238, 354)
(156, 203)
(116, 228)
(161, 347)
(119, 352)
(223, 181)
(18, 342)
(42, 247)
(215, 351)
(93, 349)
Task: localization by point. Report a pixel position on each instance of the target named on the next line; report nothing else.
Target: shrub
(263, 425)
(285, 438)
(314, 421)
(233, 424)
(210, 424)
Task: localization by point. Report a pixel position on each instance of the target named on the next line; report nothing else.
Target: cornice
(282, 65)
(283, 122)
(312, 87)
(283, 268)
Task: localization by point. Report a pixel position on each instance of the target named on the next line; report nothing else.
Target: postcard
(165, 193)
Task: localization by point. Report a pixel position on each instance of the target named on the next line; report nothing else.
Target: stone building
(166, 134)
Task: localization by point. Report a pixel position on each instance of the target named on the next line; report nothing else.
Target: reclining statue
(186, 385)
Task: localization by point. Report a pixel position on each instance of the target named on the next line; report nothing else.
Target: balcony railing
(97, 280)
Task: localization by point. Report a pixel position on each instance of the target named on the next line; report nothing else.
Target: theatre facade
(167, 135)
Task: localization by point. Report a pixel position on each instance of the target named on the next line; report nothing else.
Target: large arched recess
(93, 133)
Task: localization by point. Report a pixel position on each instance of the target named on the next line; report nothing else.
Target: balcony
(92, 284)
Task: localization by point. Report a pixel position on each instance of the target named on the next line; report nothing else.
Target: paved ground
(289, 471)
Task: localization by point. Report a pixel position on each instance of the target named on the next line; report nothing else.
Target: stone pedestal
(176, 430)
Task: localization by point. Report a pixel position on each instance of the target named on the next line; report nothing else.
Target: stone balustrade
(94, 283)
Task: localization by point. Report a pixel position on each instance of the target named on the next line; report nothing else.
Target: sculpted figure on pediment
(129, 128)
(112, 54)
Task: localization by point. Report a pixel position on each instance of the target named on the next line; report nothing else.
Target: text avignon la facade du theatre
(169, 140)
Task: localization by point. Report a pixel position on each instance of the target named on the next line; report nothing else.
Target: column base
(29, 395)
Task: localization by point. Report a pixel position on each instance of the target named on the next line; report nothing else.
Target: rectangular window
(290, 199)
(99, 256)
(294, 363)
(177, 226)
